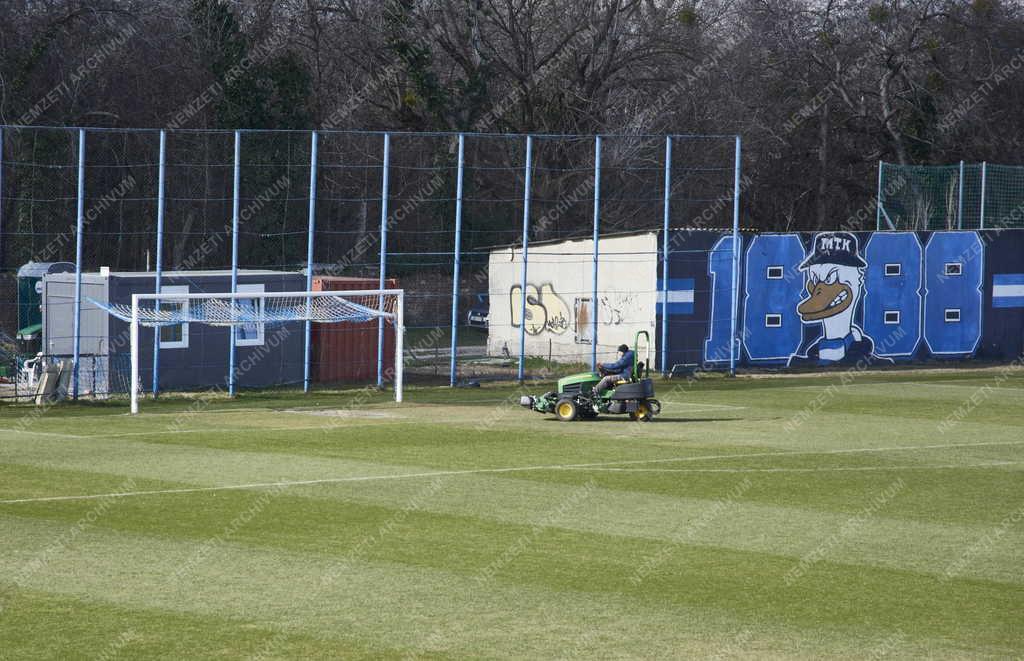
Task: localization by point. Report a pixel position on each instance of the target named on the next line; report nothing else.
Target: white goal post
(222, 309)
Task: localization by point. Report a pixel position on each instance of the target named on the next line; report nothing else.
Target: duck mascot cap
(834, 248)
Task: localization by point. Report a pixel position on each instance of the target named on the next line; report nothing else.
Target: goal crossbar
(220, 308)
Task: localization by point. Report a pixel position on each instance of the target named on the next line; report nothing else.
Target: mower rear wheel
(566, 410)
(643, 413)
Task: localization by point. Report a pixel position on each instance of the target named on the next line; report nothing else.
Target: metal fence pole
(383, 257)
(79, 228)
(234, 257)
(310, 231)
(960, 200)
(160, 198)
(984, 177)
(664, 255)
(527, 185)
(458, 246)
(878, 199)
(735, 259)
(597, 220)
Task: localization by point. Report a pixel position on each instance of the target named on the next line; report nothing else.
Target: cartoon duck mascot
(835, 284)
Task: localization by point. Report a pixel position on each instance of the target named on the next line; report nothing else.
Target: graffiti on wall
(545, 310)
(846, 297)
(910, 290)
(834, 285)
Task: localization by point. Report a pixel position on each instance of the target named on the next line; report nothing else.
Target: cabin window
(174, 337)
(250, 334)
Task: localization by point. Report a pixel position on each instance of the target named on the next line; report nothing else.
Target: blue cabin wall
(204, 363)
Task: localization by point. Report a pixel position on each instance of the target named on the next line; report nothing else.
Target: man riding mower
(620, 387)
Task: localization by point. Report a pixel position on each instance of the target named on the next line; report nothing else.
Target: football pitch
(869, 516)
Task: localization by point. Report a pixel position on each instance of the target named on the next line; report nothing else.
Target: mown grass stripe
(881, 540)
(803, 546)
(42, 625)
(486, 615)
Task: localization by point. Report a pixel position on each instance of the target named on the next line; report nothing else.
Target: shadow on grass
(610, 418)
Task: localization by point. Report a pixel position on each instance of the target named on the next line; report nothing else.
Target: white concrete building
(559, 303)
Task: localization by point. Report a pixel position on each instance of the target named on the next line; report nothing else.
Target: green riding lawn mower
(576, 398)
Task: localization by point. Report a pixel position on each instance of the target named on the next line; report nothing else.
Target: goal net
(250, 312)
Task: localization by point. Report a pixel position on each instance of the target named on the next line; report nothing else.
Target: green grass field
(778, 517)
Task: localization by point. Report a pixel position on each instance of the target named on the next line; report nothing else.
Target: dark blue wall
(204, 364)
(918, 296)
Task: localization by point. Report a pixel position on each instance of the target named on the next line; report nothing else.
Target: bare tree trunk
(888, 114)
(824, 130)
(182, 242)
(361, 219)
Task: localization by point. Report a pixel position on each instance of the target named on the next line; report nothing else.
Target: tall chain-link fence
(960, 196)
(454, 206)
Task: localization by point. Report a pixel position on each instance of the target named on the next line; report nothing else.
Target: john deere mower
(576, 398)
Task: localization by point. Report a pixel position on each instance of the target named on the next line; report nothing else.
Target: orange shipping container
(347, 351)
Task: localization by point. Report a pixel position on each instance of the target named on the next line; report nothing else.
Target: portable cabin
(346, 352)
(192, 355)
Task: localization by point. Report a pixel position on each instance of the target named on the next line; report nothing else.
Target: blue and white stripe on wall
(680, 295)
(1008, 290)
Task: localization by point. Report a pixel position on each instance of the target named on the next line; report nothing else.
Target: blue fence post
(234, 257)
(383, 257)
(735, 259)
(79, 228)
(595, 306)
(664, 255)
(527, 185)
(310, 231)
(160, 191)
(458, 245)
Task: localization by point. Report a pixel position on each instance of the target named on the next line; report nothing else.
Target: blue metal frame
(594, 306)
(311, 230)
(984, 176)
(160, 189)
(664, 255)
(234, 256)
(735, 351)
(383, 257)
(458, 258)
(527, 185)
(79, 228)
(735, 258)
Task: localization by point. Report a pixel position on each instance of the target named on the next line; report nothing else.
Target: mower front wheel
(566, 410)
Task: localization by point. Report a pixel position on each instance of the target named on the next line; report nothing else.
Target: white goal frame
(398, 316)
